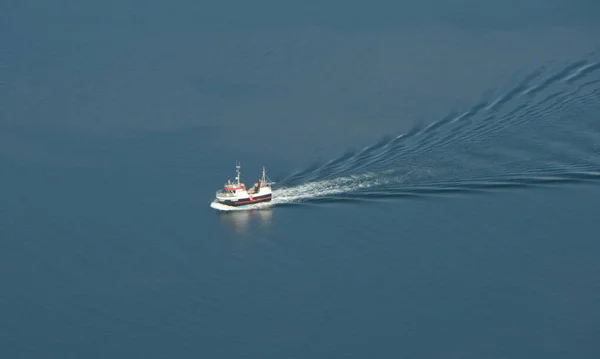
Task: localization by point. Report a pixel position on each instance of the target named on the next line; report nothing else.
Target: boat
(235, 194)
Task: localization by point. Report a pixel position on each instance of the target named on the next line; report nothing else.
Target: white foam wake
(328, 187)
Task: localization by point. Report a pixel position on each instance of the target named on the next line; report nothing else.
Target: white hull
(225, 208)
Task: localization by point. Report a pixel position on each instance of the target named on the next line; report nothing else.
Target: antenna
(237, 168)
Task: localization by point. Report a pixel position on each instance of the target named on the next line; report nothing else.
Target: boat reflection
(240, 221)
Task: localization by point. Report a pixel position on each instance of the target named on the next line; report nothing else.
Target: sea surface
(437, 169)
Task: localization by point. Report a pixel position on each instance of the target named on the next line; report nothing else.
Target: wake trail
(545, 130)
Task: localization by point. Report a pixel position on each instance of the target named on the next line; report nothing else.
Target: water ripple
(545, 130)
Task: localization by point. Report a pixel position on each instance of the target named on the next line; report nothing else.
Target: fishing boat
(235, 194)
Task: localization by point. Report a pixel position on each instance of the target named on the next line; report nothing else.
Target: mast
(266, 180)
(238, 173)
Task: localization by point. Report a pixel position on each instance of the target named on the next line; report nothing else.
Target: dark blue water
(437, 168)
